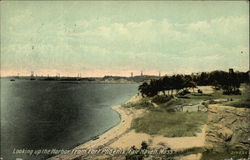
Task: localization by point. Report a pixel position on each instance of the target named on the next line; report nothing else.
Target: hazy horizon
(89, 76)
(119, 37)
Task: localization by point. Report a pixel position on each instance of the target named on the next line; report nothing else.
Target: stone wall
(228, 127)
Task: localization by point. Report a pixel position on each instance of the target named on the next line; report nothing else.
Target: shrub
(200, 91)
(161, 99)
(184, 92)
(142, 104)
(229, 92)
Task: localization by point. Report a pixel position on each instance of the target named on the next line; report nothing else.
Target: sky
(119, 37)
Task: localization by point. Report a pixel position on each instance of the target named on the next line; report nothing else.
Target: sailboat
(32, 76)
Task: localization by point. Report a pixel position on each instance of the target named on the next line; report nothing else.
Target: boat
(12, 80)
(32, 76)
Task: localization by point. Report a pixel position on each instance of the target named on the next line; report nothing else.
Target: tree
(178, 82)
(154, 87)
(229, 82)
(144, 89)
(167, 84)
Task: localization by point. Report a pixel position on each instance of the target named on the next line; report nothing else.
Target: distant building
(231, 70)
(32, 76)
(148, 80)
(109, 79)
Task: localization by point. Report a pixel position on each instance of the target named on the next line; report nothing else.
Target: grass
(238, 100)
(142, 104)
(178, 124)
(168, 106)
(173, 102)
(185, 152)
(167, 103)
(210, 155)
(244, 101)
(161, 121)
(159, 99)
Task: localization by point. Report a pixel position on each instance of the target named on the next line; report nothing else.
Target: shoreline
(127, 115)
(122, 137)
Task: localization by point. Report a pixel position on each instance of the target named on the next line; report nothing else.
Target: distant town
(105, 79)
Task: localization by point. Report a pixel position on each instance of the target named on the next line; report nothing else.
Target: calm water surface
(49, 114)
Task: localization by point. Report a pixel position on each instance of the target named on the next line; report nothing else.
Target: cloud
(201, 26)
(151, 44)
(227, 31)
(21, 17)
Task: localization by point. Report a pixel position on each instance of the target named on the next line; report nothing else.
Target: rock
(225, 133)
(194, 108)
(213, 109)
(228, 127)
(220, 100)
(202, 108)
(190, 157)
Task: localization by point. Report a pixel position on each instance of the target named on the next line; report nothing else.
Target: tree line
(229, 82)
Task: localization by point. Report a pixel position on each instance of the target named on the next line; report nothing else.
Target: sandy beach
(123, 137)
(105, 140)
